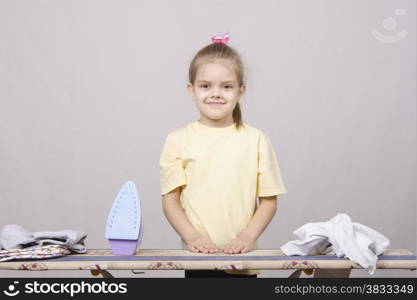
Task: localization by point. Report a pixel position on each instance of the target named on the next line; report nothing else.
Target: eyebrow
(227, 81)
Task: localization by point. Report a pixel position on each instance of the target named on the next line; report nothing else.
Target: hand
(239, 245)
(202, 244)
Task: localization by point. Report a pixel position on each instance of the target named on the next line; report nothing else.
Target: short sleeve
(172, 173)
(269, 182)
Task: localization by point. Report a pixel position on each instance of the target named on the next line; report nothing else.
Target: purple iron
(124, 228)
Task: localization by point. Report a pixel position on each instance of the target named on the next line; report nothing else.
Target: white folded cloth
(16, 237)
(341, 237)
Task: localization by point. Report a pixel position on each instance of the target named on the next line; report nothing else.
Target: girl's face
(216, 93)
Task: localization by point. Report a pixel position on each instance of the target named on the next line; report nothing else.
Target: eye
(203, 86)
(228, 86)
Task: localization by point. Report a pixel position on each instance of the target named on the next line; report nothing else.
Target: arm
(176, 216)
(260, 220)
(179, 221)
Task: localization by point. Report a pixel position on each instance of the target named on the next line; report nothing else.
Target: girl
(213, 169)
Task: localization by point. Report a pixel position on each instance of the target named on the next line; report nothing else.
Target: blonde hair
(213, 53)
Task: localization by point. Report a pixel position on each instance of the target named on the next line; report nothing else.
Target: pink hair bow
(220, 39)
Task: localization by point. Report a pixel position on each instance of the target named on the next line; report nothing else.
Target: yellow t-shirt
(222, 171)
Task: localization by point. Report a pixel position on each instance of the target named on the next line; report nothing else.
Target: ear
(242, 88)
(190, 89)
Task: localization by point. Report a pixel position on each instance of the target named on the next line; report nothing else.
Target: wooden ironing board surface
(166, 259)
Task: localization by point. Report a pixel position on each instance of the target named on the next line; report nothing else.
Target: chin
(215, 118)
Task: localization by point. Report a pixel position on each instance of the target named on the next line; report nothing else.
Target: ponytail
(237, 116)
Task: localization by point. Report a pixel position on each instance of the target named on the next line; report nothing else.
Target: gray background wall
(90, 89)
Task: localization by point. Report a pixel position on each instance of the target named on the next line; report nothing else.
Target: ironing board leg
(332, 273)
(295, 274)
(104, 273)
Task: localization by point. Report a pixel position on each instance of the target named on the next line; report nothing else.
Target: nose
(215, 92)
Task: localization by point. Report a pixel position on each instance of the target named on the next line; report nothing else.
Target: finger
(208, 247)
(242, 247)
(235, 249)
(212, 247)
(194, 249)
(230, 249)
(204, 249)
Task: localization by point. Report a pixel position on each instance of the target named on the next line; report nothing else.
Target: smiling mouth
(215, 103)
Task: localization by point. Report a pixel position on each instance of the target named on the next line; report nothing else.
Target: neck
(216, 123)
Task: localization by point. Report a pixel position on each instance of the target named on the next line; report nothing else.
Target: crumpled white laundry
(16, 237)
(341, 237)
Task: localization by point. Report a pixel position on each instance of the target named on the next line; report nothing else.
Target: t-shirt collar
(208, 128)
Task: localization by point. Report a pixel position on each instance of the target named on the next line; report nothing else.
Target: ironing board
(100, 261)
